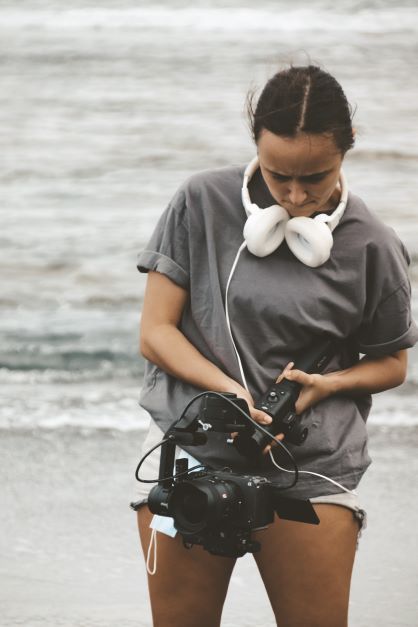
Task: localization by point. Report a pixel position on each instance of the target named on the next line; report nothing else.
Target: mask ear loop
(153, 544)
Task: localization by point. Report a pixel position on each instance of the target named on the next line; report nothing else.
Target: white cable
(153, 543)
(306, 472)
(316, 474)
(241, 369)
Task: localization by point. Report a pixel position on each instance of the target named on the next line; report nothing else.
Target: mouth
(298, 207)
(301, 208)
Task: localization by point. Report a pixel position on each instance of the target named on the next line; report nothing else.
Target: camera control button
(288, 419)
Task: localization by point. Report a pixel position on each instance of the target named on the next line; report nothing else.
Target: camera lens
(202, 503)
(188, 506)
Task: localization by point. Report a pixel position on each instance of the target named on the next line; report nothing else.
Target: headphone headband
(250, 170)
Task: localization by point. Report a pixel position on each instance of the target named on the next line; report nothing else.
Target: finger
(273, 444)
(299, 376)
(285, 370)
(261, 417)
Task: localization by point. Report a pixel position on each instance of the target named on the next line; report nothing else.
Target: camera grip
(279, 402)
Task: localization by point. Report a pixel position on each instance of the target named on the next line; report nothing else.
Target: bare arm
(369, 376)
(162, 343)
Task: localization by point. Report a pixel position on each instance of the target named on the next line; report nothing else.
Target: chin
(305, 212)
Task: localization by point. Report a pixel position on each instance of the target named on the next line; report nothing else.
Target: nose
(296, 194)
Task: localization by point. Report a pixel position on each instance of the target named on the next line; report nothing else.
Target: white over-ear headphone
(309, 239)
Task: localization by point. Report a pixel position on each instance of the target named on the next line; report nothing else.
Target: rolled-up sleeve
(392, 327)
(168, 249)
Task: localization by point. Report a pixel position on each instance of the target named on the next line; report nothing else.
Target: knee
(308, 623)
(185, 613)
(325, 619)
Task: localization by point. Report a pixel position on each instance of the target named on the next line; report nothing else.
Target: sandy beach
(69, 552)
(107, 108)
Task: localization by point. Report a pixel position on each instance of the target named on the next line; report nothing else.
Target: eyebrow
(307, 177)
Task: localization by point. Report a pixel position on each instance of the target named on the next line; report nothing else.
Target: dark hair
(303, 99)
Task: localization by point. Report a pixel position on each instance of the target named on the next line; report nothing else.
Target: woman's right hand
(256, 414)
(163, 343)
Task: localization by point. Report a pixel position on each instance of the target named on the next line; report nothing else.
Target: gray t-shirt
(278, 306)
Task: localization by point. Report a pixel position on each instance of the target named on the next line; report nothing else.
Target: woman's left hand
(315, 387)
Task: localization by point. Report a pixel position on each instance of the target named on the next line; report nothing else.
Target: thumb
(260, 416)
(285, 370)
(298, 376)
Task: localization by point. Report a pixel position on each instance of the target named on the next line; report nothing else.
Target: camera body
(217, 510)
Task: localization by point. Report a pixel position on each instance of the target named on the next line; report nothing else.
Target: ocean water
(69, 548)
(105, 108)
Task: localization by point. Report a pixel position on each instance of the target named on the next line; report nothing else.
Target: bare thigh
(307, 568)
(190, 585)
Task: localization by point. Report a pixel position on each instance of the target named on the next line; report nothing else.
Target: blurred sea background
(105, 108)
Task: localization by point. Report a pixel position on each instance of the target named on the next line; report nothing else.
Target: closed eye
(281, 177)
(312, 178)
(315, 178)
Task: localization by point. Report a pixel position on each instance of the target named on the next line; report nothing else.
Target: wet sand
(69, 553)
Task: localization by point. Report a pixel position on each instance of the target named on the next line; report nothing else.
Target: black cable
(257, 425)
(141, 461)
(241, 411)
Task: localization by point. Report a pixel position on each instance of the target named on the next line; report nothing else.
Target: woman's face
(301, 172)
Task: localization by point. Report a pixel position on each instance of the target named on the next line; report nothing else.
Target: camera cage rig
(229, 540)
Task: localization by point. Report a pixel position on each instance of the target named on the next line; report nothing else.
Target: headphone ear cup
(264, 230)
(309, 240)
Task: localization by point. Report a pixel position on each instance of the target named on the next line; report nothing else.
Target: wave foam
(94, 409)
(225, 19)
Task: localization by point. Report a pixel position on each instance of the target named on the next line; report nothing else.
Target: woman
(354, 288)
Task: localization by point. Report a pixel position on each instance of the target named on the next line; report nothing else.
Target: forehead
(301, 155)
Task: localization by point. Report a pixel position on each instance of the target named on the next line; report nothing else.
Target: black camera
(219, 509)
